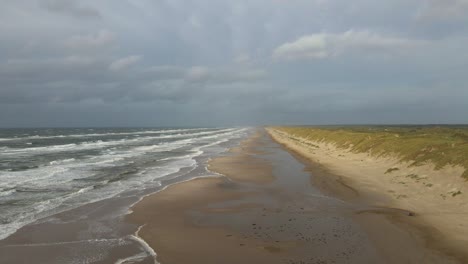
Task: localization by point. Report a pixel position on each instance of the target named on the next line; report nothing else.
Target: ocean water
(47, 171)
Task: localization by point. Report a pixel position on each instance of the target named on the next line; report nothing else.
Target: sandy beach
(275, 206)
(429, 193)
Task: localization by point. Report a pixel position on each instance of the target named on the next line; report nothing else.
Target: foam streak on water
(46, 171)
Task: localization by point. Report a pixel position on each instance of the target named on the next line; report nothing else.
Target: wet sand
(275, 207)
(88, 234)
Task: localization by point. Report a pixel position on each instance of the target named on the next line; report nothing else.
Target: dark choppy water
(45, 171)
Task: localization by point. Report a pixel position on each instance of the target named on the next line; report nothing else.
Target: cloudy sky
(232, 62)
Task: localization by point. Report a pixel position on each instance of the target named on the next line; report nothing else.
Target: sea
(47, 171)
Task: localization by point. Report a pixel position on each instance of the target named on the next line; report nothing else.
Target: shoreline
(256, 211)
(217, 188)
(96, 231)
(369, 179)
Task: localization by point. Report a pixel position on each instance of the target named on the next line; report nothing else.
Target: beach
(65, 193)
(432, 195)
(271, 205)
(233, 132)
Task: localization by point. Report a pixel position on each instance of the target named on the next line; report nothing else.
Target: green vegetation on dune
(441, 145)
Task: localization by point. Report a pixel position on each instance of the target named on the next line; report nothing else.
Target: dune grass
(441, 145)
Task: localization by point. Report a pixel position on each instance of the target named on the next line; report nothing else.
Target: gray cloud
(199, 74)
(101, 39)
(323, 45)
(71, 8)
(124, 63)
(444, 10)
(232, 62)
(165, 72)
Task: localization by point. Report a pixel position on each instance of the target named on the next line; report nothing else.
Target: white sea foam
(98, 144)
(9, 139)
(61, 170)
(132, 259)
(6, 192)
(149, 250)
(99, 241)
(104, 134)
(55, 162)
(11, 179)
(60, 174)
(74, 199)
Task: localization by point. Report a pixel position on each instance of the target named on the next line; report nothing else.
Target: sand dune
(437, 197)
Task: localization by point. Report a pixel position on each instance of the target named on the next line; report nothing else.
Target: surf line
(149, 250)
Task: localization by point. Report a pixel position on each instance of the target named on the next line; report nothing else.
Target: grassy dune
(441, 145)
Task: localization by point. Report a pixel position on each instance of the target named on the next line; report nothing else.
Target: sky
(70, 63)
